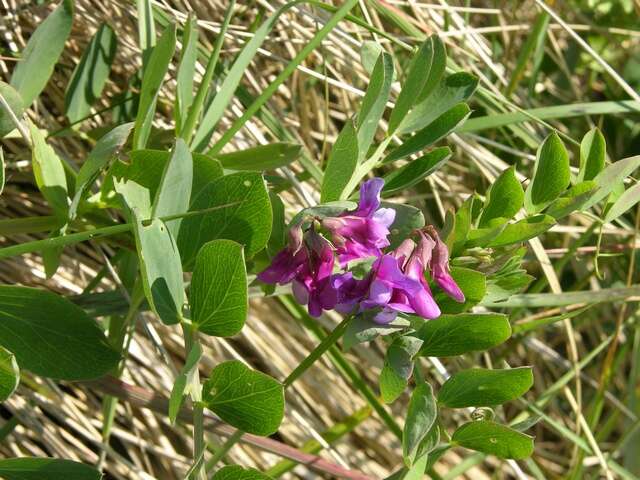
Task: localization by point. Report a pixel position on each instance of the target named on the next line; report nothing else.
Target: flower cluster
(326, 274)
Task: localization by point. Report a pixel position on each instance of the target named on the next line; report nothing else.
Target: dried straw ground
(64, 420)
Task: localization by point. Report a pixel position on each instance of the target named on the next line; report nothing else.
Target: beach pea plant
(190, 227)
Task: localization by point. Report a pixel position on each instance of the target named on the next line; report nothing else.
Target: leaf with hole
(550, 176)
(218, 295)
(244, 216)
(341, 165)
(42, 52)
(479, 387)
(39, 468)
(154, 73)
(90, 75)
(494, 439)
(72, 347)
(451, 335)
(160, 268)
(247, 399)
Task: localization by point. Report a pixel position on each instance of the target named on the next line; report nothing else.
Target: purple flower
(438, 262)
(288, 262)
(312, 285)
(363, 232)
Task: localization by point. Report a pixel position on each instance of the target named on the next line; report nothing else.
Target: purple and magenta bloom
(362, 233)
(395, 282)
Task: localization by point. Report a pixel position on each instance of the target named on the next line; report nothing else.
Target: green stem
(317, 352)
(190, 338)
(198, 102)
(286, 73)
(224, 449)
(53, 242)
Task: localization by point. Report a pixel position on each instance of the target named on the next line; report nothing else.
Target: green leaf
(160, 268)
(225, 93)
(573, 200)
(451, 335)
(494, 439)
(154, 73)
(593, 153)
(186, 72)
(40, 468)
(421, 415)
(504, 198)
(49, 174)
(472, 283)
(416, 170)
(185, 382)
(3, 176)
(398, 366)
(146, 29)
(91, 74)
(72, 347)
(522, 230)
(247, 399)
(609, 178)
(369, 54)
(463, 221)
(12, 97)
(414, 83)
(341, 166)
(374, 103)
(173, 196)
(452, 90)
(9, 374)
(437, 69)
(106, 148)
(278, 236)
(261, 158)
(407, 220)
(42, 52)
(551, 174)
(496, 120)
(146, 169)
(218, 295)
(434, 131)
(479, 387)
(235, 472)
(246, 219)
(628, 199)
